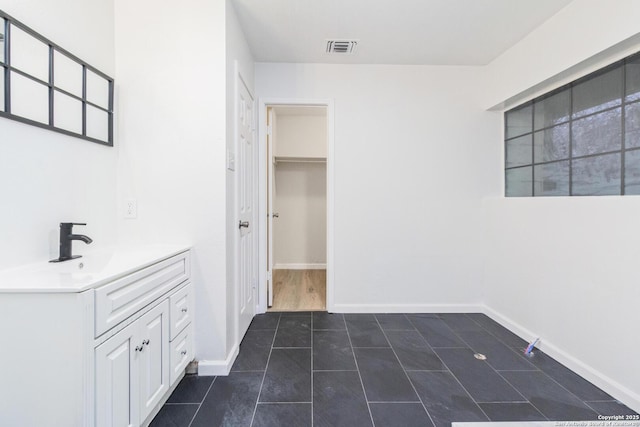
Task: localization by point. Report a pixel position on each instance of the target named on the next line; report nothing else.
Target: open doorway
(296, 221)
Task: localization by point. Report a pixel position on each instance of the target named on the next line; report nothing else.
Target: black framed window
(582, 139)
(44, 85)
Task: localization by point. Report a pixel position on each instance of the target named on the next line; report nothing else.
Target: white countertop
(92, 270)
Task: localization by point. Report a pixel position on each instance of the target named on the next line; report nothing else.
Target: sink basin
(87, 264)
(89, 271)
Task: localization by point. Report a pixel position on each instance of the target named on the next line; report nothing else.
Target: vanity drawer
(120, 299)
(181, 353)
(181, 303)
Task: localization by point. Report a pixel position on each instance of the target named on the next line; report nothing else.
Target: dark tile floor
(319, 369)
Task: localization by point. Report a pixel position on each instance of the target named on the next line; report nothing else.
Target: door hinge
(269, 130)
(269, 275)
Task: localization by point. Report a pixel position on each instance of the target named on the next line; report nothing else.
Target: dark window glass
(632, 125)
(519, 151)
(586, 137)
(1, 88)
(518, 121)
(1, 41)
(632, 71)
(552, 110)
(552, 179)
(598, 133)
(632, 172)
(551, 144)
(518, 181)
(598, 93)
(596, 176)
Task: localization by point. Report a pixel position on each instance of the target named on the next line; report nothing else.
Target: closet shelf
(288, 159)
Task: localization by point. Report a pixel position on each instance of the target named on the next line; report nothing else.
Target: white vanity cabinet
(132, 370)
(181, 333)
(99, 348)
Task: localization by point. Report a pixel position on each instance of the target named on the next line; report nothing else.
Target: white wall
(301, 136)
(576, 40)
(45, 177)
(170, 74)
(411, 170)
(565, 269)
(300, 231)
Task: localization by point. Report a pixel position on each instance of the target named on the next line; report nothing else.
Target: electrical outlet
(131, 209)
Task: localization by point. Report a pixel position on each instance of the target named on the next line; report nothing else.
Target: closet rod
(300, 160)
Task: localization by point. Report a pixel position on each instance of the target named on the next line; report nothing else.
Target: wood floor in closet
(299, 290)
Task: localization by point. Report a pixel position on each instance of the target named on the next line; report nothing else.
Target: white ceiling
(432, 32)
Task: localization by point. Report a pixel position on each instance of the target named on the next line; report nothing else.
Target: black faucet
(66, 237)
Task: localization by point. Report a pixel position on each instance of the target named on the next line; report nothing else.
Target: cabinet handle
(139, 348)
(184, 310)
(145, 342)
(183, 352)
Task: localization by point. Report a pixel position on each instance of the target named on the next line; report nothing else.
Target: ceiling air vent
(342, 46)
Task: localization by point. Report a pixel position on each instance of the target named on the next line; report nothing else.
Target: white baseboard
(407, 308)
(300, 267)
(217, 367)
(615, 389)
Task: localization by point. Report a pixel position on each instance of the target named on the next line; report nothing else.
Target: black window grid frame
(622, 64)
(7, 69)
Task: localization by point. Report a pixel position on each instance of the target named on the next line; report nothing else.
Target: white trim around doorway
(263, 103)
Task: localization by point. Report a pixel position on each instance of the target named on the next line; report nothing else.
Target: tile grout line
(498, 372)
(353, 353)
(491, 333)
(291, 348)
(590, 407)
(487, 363)
(255, 408)
(179, 403)
(451, 372)
(202, 401)
(460, 329)
(494, 369)
(584, 402)
(561, 385)
(402, 367)
(530, 403)
(511, 349)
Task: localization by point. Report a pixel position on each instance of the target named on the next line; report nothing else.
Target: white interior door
(270, 198)
(246, 200)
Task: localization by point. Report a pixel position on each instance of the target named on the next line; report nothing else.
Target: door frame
(263, 103)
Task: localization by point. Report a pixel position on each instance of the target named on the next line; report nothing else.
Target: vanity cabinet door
(154, 357)
(132, 370)
(116, 366)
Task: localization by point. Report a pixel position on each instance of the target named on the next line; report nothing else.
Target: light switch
(231, 160)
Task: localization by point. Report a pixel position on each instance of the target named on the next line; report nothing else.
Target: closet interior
(298, 196)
